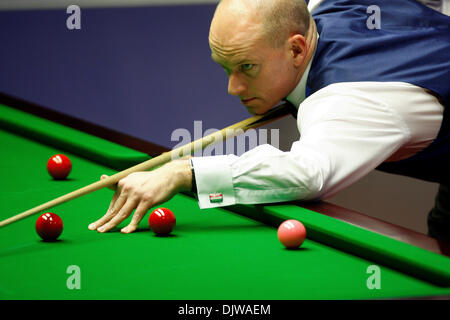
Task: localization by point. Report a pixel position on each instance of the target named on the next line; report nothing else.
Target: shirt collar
(297, 95)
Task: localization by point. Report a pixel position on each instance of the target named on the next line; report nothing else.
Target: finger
(124, 213)
(116, 204)
(113, 211)
(97, 223)
(112, 187)
(140, 212)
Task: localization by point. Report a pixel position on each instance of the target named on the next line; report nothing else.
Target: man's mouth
(246, 101)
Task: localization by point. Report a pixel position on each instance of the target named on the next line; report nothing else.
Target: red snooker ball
(59, 166)
(49, 226)
(291, 233)
(162, 221)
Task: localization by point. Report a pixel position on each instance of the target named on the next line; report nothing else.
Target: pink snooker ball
(291, 233)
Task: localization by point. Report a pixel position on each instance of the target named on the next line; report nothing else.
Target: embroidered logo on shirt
(215, 197)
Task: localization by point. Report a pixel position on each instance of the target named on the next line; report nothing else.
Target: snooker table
(225, 253)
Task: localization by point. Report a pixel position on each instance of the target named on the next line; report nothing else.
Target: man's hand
(142, 191)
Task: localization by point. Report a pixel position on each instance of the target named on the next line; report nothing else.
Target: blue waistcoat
(412, 44)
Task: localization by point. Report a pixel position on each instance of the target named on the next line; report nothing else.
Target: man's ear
(297, 48)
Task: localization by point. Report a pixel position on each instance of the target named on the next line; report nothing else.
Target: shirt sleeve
(347, 130)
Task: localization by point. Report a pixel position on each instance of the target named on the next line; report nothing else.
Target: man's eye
(246, 67)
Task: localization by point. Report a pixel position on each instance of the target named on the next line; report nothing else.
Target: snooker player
(364, 98)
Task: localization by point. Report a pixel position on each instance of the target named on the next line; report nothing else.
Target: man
(365, 97)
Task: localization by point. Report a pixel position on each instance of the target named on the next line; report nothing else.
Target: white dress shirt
(346, 131)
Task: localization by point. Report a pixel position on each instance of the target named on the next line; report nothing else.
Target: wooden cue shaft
(200, 144)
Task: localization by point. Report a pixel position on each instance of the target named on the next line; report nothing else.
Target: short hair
(281, 18)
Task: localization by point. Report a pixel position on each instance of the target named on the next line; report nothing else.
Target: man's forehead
(231, 22)
(235, 33)
(234, 52)
(231, 30)
(237, 41)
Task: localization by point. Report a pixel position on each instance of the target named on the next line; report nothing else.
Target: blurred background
(143, 67)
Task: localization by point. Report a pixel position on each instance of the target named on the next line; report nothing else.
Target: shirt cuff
(214, 181)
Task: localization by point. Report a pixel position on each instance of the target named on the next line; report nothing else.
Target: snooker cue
(199, 144)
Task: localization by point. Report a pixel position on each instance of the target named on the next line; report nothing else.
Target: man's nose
(236, 85)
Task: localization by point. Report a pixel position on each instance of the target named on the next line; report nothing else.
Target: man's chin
(257, 109)
(251, 111)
